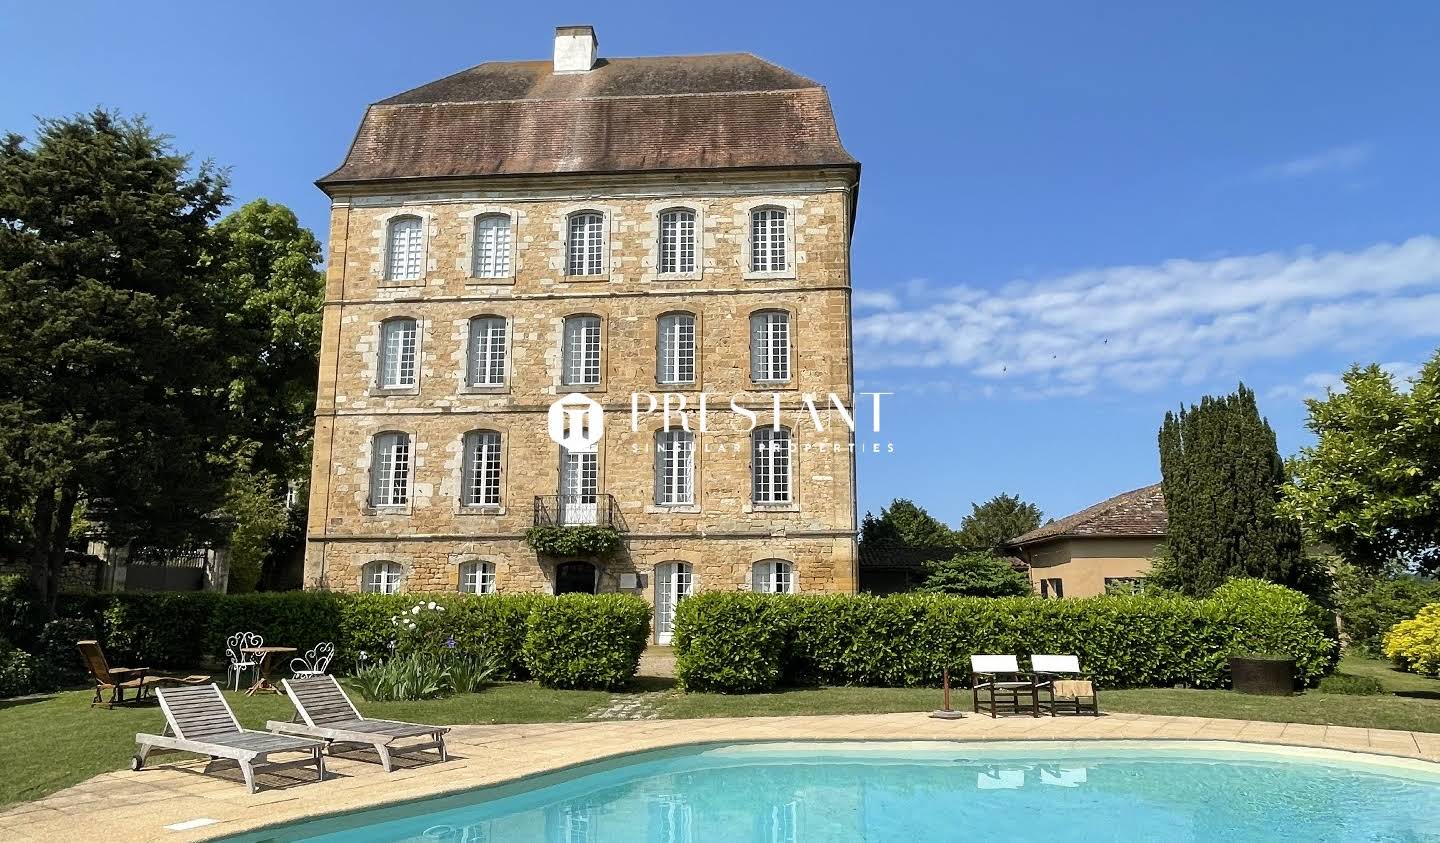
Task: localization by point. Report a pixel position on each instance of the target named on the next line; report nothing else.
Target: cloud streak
(1139, 327)
(1337, 159)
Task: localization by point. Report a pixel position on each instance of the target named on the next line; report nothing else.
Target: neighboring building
(520, 231)
(1107, 547)
(891, 569)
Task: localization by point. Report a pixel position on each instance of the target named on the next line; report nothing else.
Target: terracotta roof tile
(1136, 513)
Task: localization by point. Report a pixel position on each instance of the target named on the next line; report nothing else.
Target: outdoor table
(263, 683)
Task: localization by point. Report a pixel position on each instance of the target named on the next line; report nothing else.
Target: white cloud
(875, 300)
(1317, 384)
(1139, 327)
(1333, 160)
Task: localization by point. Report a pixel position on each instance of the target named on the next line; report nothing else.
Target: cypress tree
(1221, 473)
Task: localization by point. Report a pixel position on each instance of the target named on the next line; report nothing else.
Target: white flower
(432, 604)
(412, 624)
(416, 610)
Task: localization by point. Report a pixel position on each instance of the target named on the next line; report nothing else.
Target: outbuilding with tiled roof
(1106, 547)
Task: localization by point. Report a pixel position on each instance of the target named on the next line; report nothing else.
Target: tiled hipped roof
(669, 113)
(1137, 513)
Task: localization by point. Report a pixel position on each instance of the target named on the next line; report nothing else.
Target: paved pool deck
(174, 799)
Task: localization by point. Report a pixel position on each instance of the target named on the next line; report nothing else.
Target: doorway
(575, 578)
(674, 581)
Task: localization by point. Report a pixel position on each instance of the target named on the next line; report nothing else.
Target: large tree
(1370, 485)
(905, 523)
(1221, 474)
(977, 574)
(112, 343)
(994, 522)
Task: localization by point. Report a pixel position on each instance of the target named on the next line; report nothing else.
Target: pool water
(928, 790)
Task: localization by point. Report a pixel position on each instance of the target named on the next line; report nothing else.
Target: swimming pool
(928, 790)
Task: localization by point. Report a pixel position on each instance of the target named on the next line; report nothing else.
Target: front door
(575, 578)
(673, 583)
(579, 486)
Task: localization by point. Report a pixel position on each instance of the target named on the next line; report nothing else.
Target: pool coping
(146, 805)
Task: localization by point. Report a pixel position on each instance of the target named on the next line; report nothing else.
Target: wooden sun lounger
(117, 680)
(199, 720)
(328, 714)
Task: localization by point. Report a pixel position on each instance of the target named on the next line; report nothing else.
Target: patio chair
(315, 661)
(1062, 687)
(199, 720)
(324, 711)
(1009, 688)
(241, 661)
(117, 680)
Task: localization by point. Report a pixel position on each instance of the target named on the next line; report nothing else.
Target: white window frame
(773, 576)
(392, 462)
(770, 248)
(772, 467)
(492, 239)
(677, 242)
(404, 259)
(381, 576)
(477, 576)
(586, 244)
(674, 467)
(582, 350)
(770, 346)
(674, 581)
(676, 343)
(487, 354)
(398, 363)
(482, 470)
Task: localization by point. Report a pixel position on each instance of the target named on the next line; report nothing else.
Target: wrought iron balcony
(578, 511)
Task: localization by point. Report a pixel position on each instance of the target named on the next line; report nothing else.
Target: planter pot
(1272, 677)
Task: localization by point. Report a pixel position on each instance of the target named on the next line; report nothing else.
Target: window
(1124, 585)
(490, 256)
(1052, 587)
(582, 350)
(486, 364)
(677, 241)
(390, 470)
(482, 469)
(770, 465)
(404, 249)
(675, 349)
(674, 467)
(767, 240)
(477, 578)
(397, 353)
(770, 346)
(773, 576)
(585, 244)
(381, 577)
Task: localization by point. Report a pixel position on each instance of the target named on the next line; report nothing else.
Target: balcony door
(579, 485)
(673, 583)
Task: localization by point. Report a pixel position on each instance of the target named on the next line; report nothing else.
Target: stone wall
(723, 532)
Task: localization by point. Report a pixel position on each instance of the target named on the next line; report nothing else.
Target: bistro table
(265, 653)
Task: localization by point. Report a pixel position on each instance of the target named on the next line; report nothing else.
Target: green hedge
(746, 642)
(583, 641)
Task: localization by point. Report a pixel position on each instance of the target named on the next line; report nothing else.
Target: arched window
(398, 353)
(390, 469)
(490, 249)
(767, 240)
(770, 346)
(770, 466)
(674, 467)
(773, 576)
(477, 577)
(482, 469)
(381, 577)
(582, 350)
(674, 581)
(677, 241)
(585, 244)
(675, 348)
(404, 249)
(486, 362)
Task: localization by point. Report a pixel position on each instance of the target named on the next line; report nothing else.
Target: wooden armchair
(1065, 689)
(1010, 690)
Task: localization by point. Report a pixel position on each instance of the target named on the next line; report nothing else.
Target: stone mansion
(524, 231)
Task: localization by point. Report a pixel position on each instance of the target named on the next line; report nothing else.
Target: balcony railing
(578, 511)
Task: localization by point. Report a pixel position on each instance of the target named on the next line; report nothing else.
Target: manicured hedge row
(176, 631)
(738, 643)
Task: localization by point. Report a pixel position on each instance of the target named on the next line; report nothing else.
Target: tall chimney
(575, 49)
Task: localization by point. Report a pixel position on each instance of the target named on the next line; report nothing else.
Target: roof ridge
(776, 91)
(1068, 524)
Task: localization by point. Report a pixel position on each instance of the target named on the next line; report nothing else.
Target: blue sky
(1073, 217)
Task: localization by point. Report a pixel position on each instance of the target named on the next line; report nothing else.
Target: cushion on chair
(1073, 688)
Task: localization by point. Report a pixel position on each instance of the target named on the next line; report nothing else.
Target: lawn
(57, 741)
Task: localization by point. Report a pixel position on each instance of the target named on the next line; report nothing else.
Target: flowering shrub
(1415, 644)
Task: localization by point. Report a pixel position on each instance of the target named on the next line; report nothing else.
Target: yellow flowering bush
(1415, 644)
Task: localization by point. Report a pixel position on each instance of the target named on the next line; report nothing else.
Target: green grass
(57, 741)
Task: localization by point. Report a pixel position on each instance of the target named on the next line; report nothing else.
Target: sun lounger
(118, 680)
(325, 712)
(199, 720)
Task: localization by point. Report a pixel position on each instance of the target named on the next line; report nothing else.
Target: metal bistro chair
(241, 661)
(315, 661)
